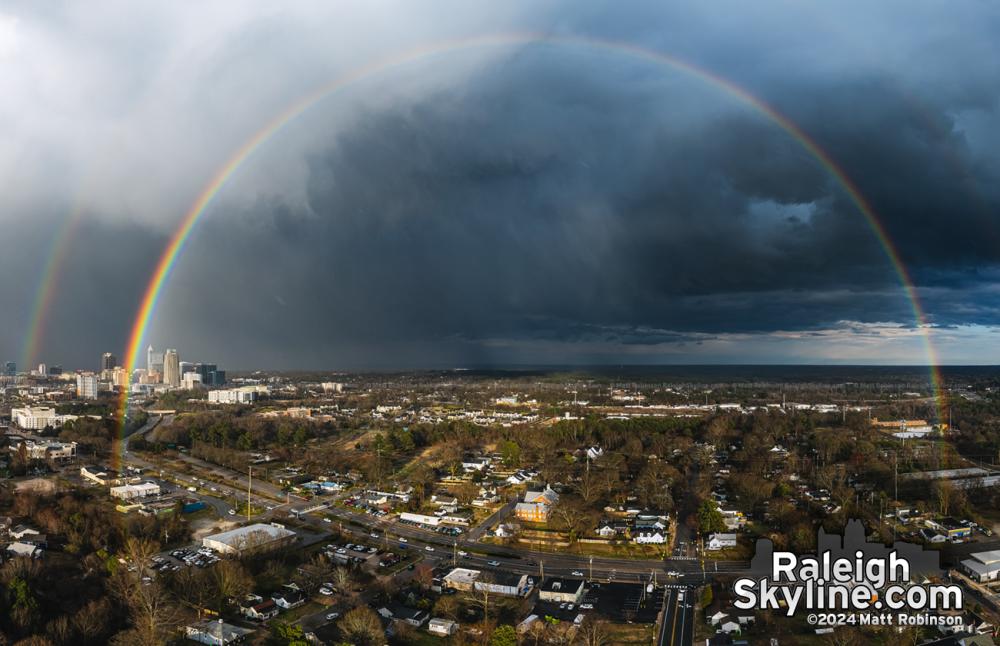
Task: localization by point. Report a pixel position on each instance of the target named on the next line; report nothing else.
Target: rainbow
(180, 237)
(48, 285)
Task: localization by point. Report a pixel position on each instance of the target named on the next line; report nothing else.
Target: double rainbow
(167, 261)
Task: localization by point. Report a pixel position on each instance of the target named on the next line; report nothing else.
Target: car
(562, 606)
(586, 606)
(577, 573)
(374, 535)
(232, 512)
(331, 616)
(429, 548)
(673, 573)
(462, 553)
(493, 563)
(570, 606)
(325, 591)
(411, 566)
(402, 539)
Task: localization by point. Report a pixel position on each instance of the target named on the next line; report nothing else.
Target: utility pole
(249, 488)
(591, 578)
(541, 570)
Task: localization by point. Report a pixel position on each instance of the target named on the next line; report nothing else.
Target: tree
(361, 626)
(709, 518)
(287, 634)
(504, 635)
(594, 632)
(231, 581)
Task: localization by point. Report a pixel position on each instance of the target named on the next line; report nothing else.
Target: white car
(586, 606)
(325, 591)
(332, 616)
(402, 539)
(429, 548)
(232, 512)
(463, 554)
(577, 573)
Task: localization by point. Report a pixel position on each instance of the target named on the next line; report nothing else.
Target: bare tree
(362, 626)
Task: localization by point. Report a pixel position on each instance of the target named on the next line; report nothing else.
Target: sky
(502, 183)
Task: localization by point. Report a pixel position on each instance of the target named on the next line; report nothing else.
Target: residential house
(26, 550)
(288, 598)
(720, 542)
(397, 612)
(259, 609)
(216, 633)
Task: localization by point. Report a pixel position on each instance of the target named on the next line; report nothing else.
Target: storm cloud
(534, 201)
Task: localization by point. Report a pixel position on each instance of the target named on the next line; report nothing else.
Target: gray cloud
(548, 200)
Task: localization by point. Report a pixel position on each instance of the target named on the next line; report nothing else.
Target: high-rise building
(55, 370)
(210, 374)
(86, 385)
(171, 368)
(154, 360)
(43, 370)
(10, 368)
(108, 361)
(118, 377)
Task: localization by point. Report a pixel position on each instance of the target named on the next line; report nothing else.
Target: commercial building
(561, 590)
(86, 385)
(252, 538)
(37, 419)
(243, 395)
(102, 476)
(154, 361)
(509, 584)
(191, 380)
(108, 361)
(171, 368)
(39, 450)
(983, 566)
(135, 491)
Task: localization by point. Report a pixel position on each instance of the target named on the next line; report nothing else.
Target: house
(606, 531)
(25, 550)
(547, 496)
(288, 598)
(561, 590)
(216, 633)
(442, 627)
(594, 452)
(444, 501)
(20, 531)
(256, 608)
(720, 541)
(650, 537)
(397, 612)
(730, 627)
(717, 618)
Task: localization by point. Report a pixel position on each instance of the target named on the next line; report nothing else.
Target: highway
(271, 498)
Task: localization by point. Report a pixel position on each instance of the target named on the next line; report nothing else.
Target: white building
(191, 380)
(86, 385)
(720, 541)
(442, 627)
(37, 419)
(59, 451)
(243, 395)
(983, 566)
(135, 491)
(252, 538)
(216, 633)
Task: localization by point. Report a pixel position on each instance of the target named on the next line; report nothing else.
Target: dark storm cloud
(564, 203)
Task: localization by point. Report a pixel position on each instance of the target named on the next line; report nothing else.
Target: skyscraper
(10, 368)
(108, 361)
(154, 361)
(171, 368)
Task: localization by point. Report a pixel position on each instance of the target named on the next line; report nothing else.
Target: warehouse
(252, 538)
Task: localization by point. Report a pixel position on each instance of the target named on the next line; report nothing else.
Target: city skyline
(513, 186)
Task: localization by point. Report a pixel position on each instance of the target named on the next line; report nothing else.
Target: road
(677, 628)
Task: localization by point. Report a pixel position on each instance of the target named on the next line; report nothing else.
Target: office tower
(118, 375)
(186, 367)
(86, 385)
(108, 361)
(154, 361)
(55, 370)
(171, 368)
(10, 368)
(43, 370)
